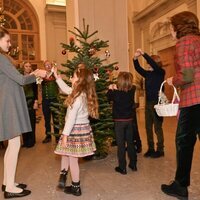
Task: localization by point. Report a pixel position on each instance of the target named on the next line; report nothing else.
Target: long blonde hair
(85, 84)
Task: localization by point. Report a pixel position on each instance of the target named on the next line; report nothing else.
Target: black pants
(29, 137)
(47, 112)
(152, 120)
(124, 136)
(136, 135)
(186, 135)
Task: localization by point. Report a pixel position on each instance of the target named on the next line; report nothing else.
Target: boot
(74, 189)
(62, 179)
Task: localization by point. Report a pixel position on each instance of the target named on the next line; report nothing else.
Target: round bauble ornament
(64, 52)
(71, 40)
(116, 68)
(96, 69)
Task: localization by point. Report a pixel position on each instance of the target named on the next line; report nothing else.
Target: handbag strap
(175, 95)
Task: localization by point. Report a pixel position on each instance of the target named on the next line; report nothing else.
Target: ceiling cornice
(148, 10)
(55, 8)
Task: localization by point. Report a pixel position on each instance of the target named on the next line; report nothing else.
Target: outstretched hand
(112, 87)
(55, 72)
(138, 53)
(170, 81)
(40, 73)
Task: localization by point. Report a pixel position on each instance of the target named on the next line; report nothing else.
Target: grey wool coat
(14, 117)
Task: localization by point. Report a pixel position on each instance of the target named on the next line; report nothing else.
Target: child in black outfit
(122, 96)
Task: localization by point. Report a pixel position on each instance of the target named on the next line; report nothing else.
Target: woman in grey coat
(14, 117)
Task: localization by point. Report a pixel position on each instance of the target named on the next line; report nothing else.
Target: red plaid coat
(187, 65)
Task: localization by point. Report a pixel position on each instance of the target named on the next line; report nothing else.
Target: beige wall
(109, 18)
(114, 21)
(39, 6)
(138, 6)
(150, 28)
(52, 27)
(55, 32)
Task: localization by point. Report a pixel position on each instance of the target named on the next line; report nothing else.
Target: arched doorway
(22, 23)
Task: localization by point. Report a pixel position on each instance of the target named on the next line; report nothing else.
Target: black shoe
(149, 153)
(62, 179)
(28, 145)
(121, 171)
(9, 195)
(57, 139)
(20, 185)
(46, 140)
(157, 154)
(74, 189)
(139, 149)
(114, 143)
(2, 145)
(176, 190)
(133, 167)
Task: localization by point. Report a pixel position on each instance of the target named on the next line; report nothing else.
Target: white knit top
(77, 113)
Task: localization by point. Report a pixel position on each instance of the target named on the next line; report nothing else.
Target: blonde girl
(77, 137)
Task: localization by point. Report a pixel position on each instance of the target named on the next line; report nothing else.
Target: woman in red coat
(185, 28)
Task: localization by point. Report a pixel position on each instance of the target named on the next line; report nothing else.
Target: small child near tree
(77, 137)
(122, 96)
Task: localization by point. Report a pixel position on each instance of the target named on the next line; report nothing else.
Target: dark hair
(3, 32)
(185, 23)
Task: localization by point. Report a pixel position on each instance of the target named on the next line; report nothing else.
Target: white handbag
(165, 109)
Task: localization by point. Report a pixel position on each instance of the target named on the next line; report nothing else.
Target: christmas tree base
(96, 156)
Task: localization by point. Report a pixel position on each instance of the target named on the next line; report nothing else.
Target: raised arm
(152, 63)
(136, 64)
(63, 86)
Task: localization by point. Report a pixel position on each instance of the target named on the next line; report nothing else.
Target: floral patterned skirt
(80, 142)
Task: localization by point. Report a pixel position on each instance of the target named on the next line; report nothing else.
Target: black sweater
(123, 103)
(153, 79)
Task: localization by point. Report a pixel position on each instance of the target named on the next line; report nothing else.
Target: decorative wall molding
(55, 8)
(148, 10)
(153, 24)
(159, 30)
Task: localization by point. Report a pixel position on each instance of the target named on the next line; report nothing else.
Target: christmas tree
(87, 51)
